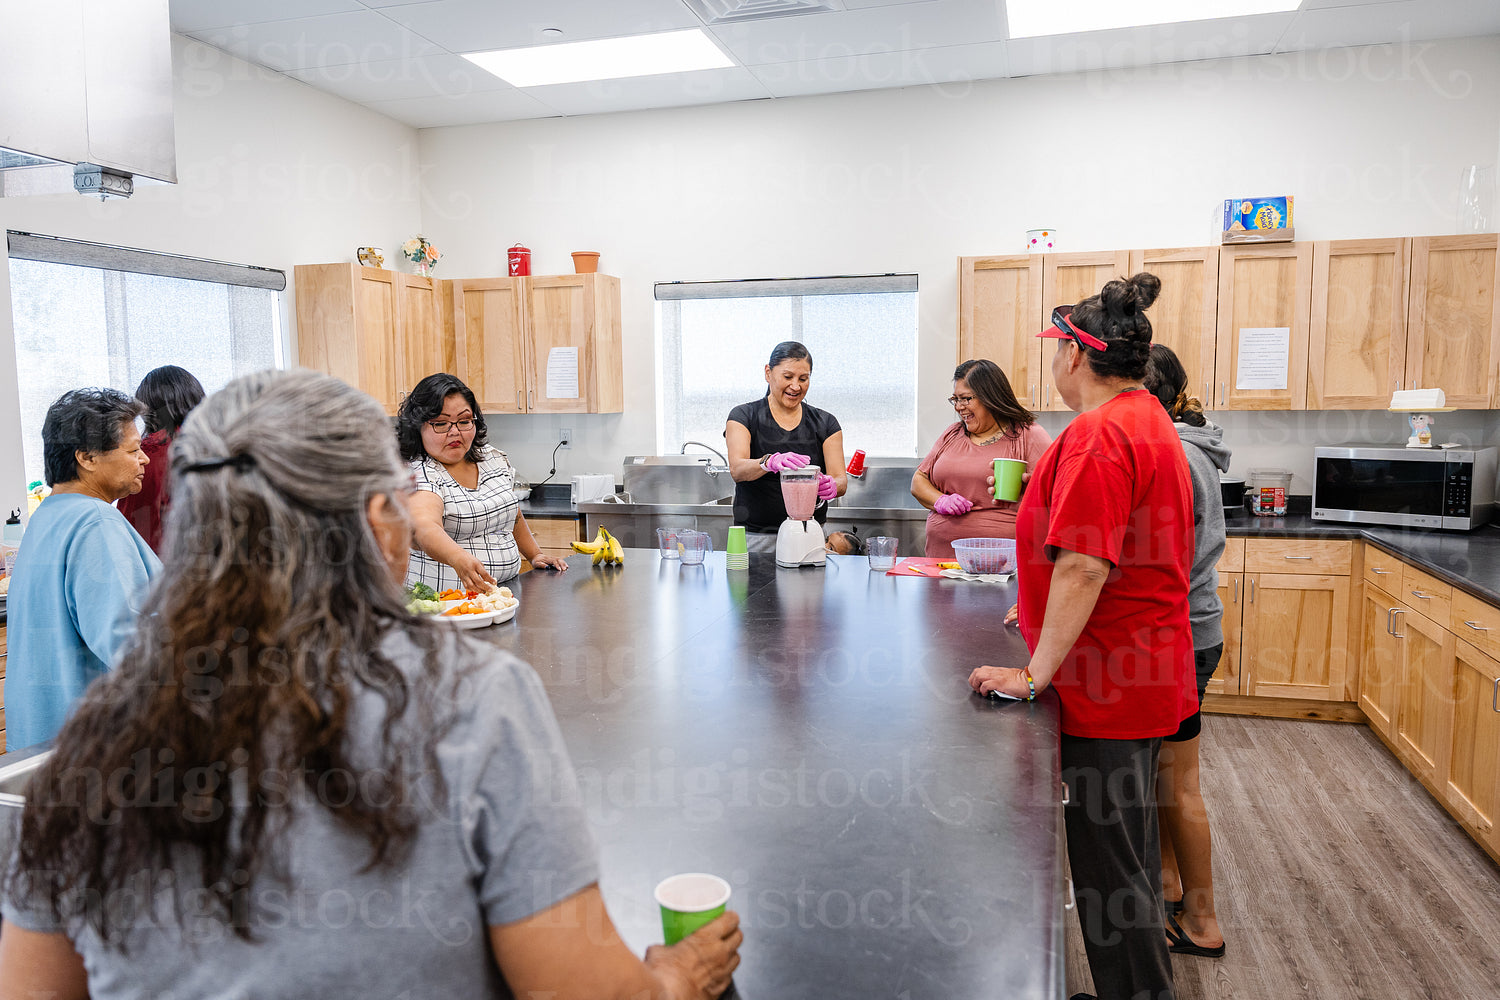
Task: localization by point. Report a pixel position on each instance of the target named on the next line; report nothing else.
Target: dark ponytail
(1166, 379)
(1117, 315)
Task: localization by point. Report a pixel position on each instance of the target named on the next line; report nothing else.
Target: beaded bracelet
(1030, 684)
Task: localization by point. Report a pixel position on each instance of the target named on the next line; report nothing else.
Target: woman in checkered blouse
(468, 530)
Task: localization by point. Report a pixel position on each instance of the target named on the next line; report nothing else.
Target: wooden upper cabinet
(1453, 325)
(426, 344)
(348, 325)
(490, 343)
(1263, 287)
(999, 300)
(1068, 278)
(574, 321)
(1357, 344)
(1184, 314)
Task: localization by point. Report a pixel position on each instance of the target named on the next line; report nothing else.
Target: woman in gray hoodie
(1187, 852)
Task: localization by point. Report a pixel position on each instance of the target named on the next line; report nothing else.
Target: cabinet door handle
(1398, 635)
(529, 403)
(1252, 590)
(1067, 795)
(1421, 596)
(1221, 393)
(1048, 396)
(1236, 591)
(519, 404)
(1380, 572)
(1296, 557)
(1495, 696)
(1476, 626)
(1390, 626)
(1072, 900)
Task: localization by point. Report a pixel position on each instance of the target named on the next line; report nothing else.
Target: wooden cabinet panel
(491, 341)
(1453, 326)
(554, 536)
(1226, 679)
(1473, 788)
(348, 320)
(1357, 340)
(1184, 315)
(1068, 278)
(1295, 636)
(426, 348)
(1426, 595)
(999, 300)
(1424, 703)
(581, 312)
(1380, 660)
(1476, 622)
(1263, 286)
(1233, 558)
(1298, 555)
(1382, 568)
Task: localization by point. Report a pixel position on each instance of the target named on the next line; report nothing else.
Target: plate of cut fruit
(469, 608)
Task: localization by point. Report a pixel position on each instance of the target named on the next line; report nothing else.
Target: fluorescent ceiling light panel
(603, 59)
(1032, 18)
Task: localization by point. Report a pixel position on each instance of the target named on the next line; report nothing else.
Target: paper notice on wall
(1265, 353)
(562, 373)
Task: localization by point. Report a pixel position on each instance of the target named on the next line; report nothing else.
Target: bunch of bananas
(605, 548)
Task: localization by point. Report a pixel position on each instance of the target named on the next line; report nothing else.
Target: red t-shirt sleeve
(1090, 506)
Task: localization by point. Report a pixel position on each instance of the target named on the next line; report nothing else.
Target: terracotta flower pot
(585, 261)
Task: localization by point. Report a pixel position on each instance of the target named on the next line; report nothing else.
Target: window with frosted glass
(714, 348)
(88, 326)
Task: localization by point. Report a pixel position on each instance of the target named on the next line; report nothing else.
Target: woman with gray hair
(83, 571)
(337, 797)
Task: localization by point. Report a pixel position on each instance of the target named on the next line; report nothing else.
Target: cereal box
(1257, 213)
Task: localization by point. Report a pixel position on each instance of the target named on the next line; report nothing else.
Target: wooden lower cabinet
(1380, 665)
(1473, 780)
(1226, 679)
(1424, 699)
(555, 536)
(1294, 637)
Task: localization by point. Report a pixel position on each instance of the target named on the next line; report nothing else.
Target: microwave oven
(1411, 487)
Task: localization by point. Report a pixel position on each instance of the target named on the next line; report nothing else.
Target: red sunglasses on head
(1062, 328)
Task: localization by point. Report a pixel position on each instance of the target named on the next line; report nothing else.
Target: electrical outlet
(565, 438)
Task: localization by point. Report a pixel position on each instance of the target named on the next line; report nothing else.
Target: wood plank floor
(1336, 875)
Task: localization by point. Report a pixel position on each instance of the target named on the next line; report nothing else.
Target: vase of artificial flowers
(421, 253)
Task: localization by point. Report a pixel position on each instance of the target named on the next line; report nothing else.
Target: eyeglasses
(442, 426)
(954, 401)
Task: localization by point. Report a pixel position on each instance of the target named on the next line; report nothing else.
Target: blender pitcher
(799, 491)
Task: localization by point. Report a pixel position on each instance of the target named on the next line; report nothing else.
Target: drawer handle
(1296, 557)
(1421, 596)
(1380, 572)
(1476, 626)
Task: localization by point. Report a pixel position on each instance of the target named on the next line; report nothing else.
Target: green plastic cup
(736, 543)
(688, 902)
(1008, 478)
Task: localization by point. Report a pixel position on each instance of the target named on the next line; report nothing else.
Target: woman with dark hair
(1186, 847)
(312, 792)
(469, 529)
(169, 393)
(779, 432)
(82, 572)
(950, 482)
(1104, 539)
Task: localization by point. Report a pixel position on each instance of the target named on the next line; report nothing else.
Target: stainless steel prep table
(810, 736)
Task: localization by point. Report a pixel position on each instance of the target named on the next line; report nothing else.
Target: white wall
(1369, 140)
(271, 172)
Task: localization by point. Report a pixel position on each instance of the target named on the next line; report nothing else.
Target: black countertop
(551, 500)
(810, 736)
(1469, 560)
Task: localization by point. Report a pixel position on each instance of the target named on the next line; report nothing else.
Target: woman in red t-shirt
(1104, 544)
(950, 482)
(169, 392)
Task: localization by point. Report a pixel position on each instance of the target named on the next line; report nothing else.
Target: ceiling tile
(396, 79)
(188, 16)
(330, 40)
(860, 4)
(1160, 43)
(862, 32)
(471, 109)
(480, 25)
(955, 64)
(667, 90)
(1375, 24)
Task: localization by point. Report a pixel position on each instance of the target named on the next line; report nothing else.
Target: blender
(799, 541)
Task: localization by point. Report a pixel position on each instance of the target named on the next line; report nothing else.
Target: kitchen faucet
(711, 470)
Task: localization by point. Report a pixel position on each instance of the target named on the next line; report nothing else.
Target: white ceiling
(402, 59)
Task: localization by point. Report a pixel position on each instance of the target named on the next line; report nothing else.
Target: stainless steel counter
(810, 736)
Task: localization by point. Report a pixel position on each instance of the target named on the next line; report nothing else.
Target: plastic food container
(985, 555)
(1267, 490)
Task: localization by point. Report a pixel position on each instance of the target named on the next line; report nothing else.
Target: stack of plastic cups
(736, 555)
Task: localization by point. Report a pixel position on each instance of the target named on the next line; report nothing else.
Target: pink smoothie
(800, 497)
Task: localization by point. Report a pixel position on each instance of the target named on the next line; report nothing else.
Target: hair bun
(1145, 288)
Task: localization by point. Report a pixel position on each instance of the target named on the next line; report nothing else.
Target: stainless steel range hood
(85, 82)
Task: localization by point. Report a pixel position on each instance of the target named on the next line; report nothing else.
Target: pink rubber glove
(784, 461)
(828, 487)
(952, 505)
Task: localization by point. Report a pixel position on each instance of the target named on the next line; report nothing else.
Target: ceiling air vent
(731, 11)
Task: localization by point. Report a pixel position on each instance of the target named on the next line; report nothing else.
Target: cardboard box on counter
(1258, 220)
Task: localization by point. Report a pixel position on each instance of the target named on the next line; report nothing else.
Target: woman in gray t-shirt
(289, 786)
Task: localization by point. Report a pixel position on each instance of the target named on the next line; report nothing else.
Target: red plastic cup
(856, 464)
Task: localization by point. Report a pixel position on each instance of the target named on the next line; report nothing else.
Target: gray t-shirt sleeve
(523, 823)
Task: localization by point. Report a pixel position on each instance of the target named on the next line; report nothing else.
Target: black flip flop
(1179, 943)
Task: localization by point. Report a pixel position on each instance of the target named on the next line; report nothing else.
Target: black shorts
(1205, 662)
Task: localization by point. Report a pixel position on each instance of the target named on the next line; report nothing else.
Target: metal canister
(520, 261)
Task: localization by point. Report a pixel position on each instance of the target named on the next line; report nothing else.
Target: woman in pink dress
(950, 482)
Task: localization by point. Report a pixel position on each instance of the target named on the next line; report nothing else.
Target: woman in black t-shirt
(776, 433)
